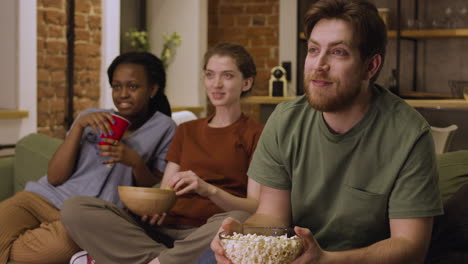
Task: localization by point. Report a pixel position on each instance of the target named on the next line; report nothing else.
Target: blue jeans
(207, 258)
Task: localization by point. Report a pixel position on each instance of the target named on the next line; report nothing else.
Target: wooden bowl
(147, 201)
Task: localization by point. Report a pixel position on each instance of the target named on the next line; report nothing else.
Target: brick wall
(52, 61)
(253, 24)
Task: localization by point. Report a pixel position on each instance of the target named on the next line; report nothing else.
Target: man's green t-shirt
(346, 187)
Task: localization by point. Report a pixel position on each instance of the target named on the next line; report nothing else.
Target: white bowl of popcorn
(261, 245)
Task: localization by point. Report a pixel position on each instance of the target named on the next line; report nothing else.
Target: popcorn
(260, 249)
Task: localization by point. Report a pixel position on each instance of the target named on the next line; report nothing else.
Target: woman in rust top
(207, 167)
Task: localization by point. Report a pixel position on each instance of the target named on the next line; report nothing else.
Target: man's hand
(229, 225)
(312, 252)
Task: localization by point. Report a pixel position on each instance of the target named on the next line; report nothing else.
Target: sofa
(33, 152)
(32, 155)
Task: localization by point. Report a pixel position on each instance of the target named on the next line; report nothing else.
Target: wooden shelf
(197, 110)
(265, 99)
(450, 103)
(430, 33)
(13, 114)
(424, 95)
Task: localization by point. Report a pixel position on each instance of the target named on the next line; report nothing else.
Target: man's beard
(321, 101)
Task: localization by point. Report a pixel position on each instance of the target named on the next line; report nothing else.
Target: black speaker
(278, 85)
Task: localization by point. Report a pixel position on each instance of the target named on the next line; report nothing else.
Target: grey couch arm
(6, 177)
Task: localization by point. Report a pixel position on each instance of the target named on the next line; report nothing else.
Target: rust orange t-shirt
(219, 156)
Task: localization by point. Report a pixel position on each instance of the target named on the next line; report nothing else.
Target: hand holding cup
(118, 128)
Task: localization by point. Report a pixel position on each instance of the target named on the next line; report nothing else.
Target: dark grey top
(92, 178)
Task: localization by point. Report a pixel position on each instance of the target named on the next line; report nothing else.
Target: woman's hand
(118, 152)
(188, 182)
(156, 219)
(99, 121)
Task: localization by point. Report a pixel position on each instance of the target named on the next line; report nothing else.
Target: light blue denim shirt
(92, 178)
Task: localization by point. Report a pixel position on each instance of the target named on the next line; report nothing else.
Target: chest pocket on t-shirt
(359, 219)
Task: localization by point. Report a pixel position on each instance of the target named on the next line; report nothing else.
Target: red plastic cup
(121, 124)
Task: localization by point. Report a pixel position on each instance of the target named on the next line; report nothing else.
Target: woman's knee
(73, 211)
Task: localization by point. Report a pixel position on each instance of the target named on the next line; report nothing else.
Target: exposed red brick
(258, 20)
(259, 9)
(226, 21)
(42, 75)
(231, 10)
(96, 37)
(273, 20)
(59, 119)
(40, 60)
(54, 31)
(261, 31)
(61, 90)
(45, 90)
(45, 131)
(59, 131)
(271, 41)
(59, 76)
(94, 64)
(212, 20)
(95, 92)
(57, 104)
(56, 62)
(59, 4)
(87, 49)
(80, 61)
(94, 22)
(52, 60)
(43, 119)
(260, 51)
(243, 20)
(56, 47)
(80, 21)
(41, 31)
(83, 6)
(55, 17)
(83, 35)
(44, 105)
(259, 41)
(96, 6)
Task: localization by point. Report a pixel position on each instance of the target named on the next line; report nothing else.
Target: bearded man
(349, 164)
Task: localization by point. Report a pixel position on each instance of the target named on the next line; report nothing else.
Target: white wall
(26, 71)
(189, 19)
(8, 63)
(110, 46)
(288, 39)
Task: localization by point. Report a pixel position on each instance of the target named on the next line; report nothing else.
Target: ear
(373, 66)
(154, 90)
(247, 84)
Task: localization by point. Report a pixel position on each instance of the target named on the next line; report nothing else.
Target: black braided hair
(156, 75)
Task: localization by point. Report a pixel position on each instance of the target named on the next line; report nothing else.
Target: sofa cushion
(6, 177)
(33, 153)
(453, 172)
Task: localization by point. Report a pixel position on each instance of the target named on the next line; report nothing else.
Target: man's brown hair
(370, 33)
